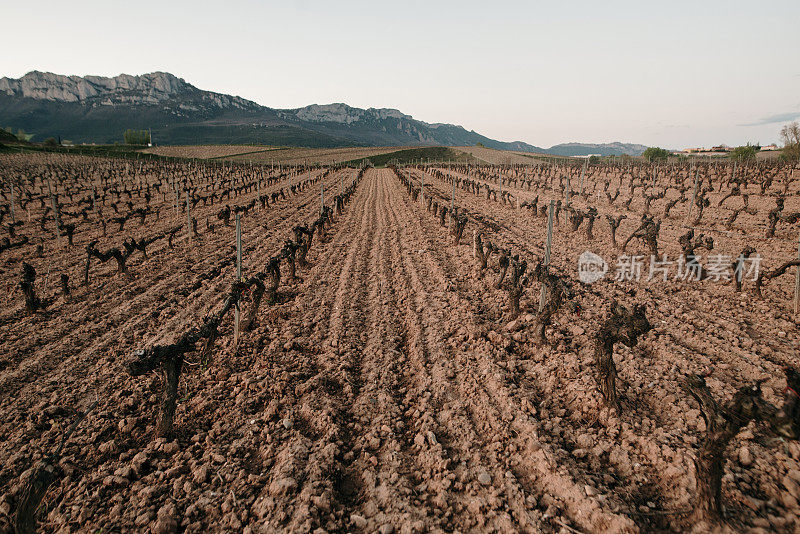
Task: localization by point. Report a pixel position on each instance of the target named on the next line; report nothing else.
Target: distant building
(721, 148)
(770, 148)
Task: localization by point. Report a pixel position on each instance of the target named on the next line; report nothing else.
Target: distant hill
(604, 149)
(7, 137)
(99, 109)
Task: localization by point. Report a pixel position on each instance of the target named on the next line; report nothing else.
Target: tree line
(136, 137)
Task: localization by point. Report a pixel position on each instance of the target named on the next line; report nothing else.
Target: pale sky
(671, 74)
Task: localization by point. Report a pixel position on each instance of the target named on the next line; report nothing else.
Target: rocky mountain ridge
(99, 109)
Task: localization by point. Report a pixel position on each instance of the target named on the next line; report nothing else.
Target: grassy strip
(271, 149)
(542, 157)
(113, 151)
(413, 155)
(106, 151)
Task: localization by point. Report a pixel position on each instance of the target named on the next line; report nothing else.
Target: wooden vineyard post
(550, 212)
(55, 213)
(237, 309)
(188, 219)
(341, 184)
(175, 188)
(583, 173)
(422, 188)
(13, 219)
(566, 200)
(500, 183)
(453, 199)
(694, 196)
(797, 281)
(321, 197)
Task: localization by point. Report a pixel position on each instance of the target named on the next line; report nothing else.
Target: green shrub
(744, 153)
(655, 152)
(22, 136)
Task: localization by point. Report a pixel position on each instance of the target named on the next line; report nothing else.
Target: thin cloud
(772, 119)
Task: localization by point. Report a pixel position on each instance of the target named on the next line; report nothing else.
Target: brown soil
(384, 390)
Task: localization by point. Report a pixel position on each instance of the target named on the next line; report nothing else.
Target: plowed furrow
(485, 387)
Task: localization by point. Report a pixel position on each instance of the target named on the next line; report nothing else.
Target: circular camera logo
(591, 267)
